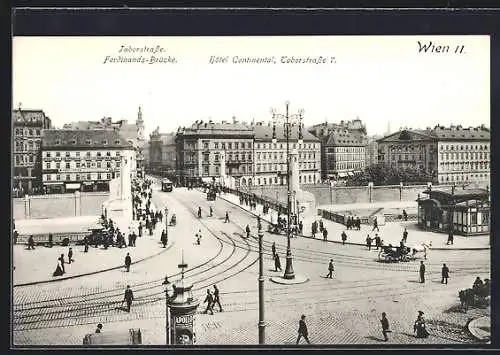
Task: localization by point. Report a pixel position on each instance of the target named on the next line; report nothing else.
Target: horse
(422, 248)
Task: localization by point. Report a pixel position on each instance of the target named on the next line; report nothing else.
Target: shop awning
(88, 183)
(53, 183)
(350, 173)
(342, 174)
(73, 186)
(206, 179)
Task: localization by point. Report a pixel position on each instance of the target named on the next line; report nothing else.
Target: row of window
(463, 177)
(248, 145)
(77, 165)
(24, 159)
(27, 132)
(344, 166)
(24, 146)
(346, 157)
(465, 166)
(346, 150)
(87, 141)
(282, 167)
(462, 147)
(270, 155)
(465, 155)
(277, 181)
(79, 177)
(88, 154)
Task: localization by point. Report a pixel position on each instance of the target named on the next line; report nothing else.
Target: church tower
(140, 125)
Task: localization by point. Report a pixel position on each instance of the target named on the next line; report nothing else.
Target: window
(98, 154)
(205, 170)
(99, 176)
(117, 164)
(67, 166)
(68, 177)
(47, 154)
(249, 145)
(108, 154)
(98, 165)
(47, 165)
(473, 218)
(31, 159)
(229, 145)
(250, 157)
(58, 177)
(108, 176)
(108, 164)
(216, 144)
(89, 177)
(77, 177)
(49, 177)
(205, 145)
(58, 165)
(77, 164)
(117, 153)
(104, 142)
(38, 132)
(67, 155)
(89, 164)
(217, 170)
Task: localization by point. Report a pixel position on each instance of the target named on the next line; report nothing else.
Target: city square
(231, 224)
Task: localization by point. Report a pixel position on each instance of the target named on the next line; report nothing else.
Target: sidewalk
(37, 266)
(391, 233)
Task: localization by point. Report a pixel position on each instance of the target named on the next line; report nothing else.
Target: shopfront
(464, 211)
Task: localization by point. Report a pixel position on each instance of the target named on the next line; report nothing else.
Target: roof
(458, 194)
(265, 132)
(454, 133)
(86, 139)
(217, 129)
(345, 138)
(408, 135)
(28, 115)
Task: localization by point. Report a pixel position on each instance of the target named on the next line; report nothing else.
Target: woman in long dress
(58, 271)
(419, 326)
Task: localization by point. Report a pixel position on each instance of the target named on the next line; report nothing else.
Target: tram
(166, 185)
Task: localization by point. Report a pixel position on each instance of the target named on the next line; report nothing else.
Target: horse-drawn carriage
(390, 253)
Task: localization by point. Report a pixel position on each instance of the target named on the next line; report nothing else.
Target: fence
(57, 238)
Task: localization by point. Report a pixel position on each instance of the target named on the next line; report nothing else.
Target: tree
(383, 174)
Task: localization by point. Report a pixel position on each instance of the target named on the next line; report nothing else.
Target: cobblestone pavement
(344, 310)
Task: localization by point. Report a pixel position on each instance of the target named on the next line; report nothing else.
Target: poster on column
(182, 329)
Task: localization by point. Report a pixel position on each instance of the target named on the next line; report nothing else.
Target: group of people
(322, 230)
(248, 202)
(211, 300)
(353, 222)
(60, 268)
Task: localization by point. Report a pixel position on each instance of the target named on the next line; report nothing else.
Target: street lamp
(288, 122)
(262, 324)
(166, 222)
(169, 290)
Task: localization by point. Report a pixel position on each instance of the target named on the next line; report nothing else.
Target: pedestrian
(129, 297)
(314, 228)
(368, 242)
(86, 242)
(164, 238)
(301, 227)
(128, 262)
(377, 241)
(216, 298)
(450, 238)
(227, 217)
(130, 239)
(199, 212)
(247, 229)
(405, 235)
(51, 240)
(344, 237)
(31, 243)
(325, 235)
(330, 269)
(321, 225)
(405, 215)
(422, 272)
(419, 326)
(61, 259)
(273, 248)
(99, 328)
(211, 211)
(445, 274)
(385, 326)
(375, 224)
(209, 300)
(303, 330)
(277, 263)
(70, 255)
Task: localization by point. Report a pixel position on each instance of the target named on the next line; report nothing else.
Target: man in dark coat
(247, 230)
(51, 240)
(70, 255)
(277, 263)
(210, 302)
(134, 238)
(325, 235)
(273, 248)
(405, 235)
(377, 241)
(368, 242)
(31, 243)
(422, 272)
(86, 242)
(303, 330)
(99, 328)
(164, 238)
(445, 273)
(450, 238)
(129, 297)
(321, 225)
(375, 224)
(330, 269)
(227, 217)
(314, 228)
(128, 262)
(385, 326)
(216, 297)
(199, 212)
(344, 237)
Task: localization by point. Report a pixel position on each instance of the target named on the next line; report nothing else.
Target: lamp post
(166, 222)
(168, 291)
(262, 324)
(288, 122)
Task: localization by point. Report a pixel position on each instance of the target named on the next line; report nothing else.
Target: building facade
(464, 155)
(163, 155)
(410, 149)
(202, 148)
(343, 154)
(83, 160)
(371, 151)
(271, 158)
(28, 126)
(132, 132)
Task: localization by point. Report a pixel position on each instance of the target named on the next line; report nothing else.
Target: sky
(380, 79)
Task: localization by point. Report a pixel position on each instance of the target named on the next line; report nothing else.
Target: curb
(346, 243)
(93, 272)
(472, 327)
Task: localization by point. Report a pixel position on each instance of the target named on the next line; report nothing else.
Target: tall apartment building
(83, 160)
(131, 132)
(199, 150)
(453, 154)
(271, 159)
(163, 156)
(28, 126)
